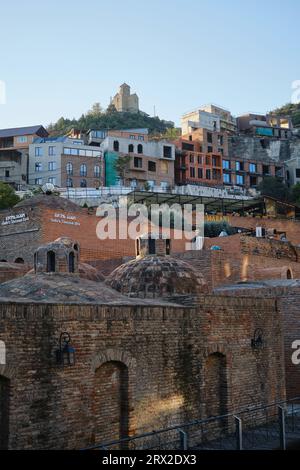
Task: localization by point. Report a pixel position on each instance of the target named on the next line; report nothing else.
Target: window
(51, 151)
(116, 145)
(164, 185)
(132, 136)
(151, 246)
(51, 262)
(252, 167)
(38, 151)
(220, 140)
(209, 149)
(96, 171)
(167, 152)
(83, 170)
(297, 172)
(133, 183)
(192, 172)
(199, 159)
(130, 148)
(22, 139)
(71, 262)
(151, 166)
(226, 164)
(209, 138)
(69, 183)
(239, 166)
(141, 137)
(226, 178)
(51, 166)
(83, 183)
(52, 180)
(191, 158)
(200, 173)
(186, 146)
(208, 174)
(239, 179)
(6, 173)
(138, 162)
(140, 148)
(207, 160)
(69, 168)
(151, 184)
(38, 181)
(38, 167)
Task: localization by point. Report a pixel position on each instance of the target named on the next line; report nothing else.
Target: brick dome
(156, 276)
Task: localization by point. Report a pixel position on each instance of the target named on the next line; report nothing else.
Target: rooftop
(19, 131)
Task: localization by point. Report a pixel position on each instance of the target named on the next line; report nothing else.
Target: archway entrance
(110, 402)
(51, 262)
(4, 412)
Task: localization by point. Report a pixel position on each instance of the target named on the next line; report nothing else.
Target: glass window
(239, 179)
(140, 148)
(151, 183)
(83, 183)
(38, 180)
(38, 151)
(74, 151)
(252, 167)
(116, 145)
(82, 152)
(226, 164)
(200, 173)
(130, 148)
(192, 172)
(226, 177)
(67, 151)
(52, 151)
(38, 167)
(69, 168)
(151, 166)
(138, 162)
(52, 179)
(199, 159)
(22, 139)
(167, 151)
(69, 183)
(209, 137)
(141, 137)
(83, 169)
(208, 174)
(239, 166)
(89, 153)
(191, 158)
(51, 166)
(97, 171)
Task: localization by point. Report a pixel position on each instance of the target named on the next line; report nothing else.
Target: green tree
(8, 197)
(95, 111)
(295, 193)
(121, 165)
(271, 186)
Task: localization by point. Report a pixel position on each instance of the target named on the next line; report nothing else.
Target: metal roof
(18, 131)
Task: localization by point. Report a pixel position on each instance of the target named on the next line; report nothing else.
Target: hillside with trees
(97, 118)
(290, 109)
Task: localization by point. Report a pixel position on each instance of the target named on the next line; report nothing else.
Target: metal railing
(272, 426)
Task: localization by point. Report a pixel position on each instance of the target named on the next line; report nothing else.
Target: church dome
(156, 276)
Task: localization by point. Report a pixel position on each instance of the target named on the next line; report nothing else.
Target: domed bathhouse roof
(155, 274)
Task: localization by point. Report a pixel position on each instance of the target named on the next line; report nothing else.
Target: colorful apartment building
(150, 163)
(14, 153)
(194, 165)
(65, 162)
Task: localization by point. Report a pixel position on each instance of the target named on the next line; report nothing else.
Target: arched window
(50, 262)
(19, 260)
(140, 148)
(130, 148)
(83, 170)
(289, 274)
(97, 171)
(116, 145)
(69, 183)
(69, 168)
(83, 183)
(71, 262)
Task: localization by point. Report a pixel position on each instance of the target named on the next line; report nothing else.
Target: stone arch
(115, 355)
(289, 273)
(110, 402)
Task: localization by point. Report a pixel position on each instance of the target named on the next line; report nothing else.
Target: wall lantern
(65, 355)
(257, 341)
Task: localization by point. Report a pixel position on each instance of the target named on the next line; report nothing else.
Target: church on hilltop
(124, 101)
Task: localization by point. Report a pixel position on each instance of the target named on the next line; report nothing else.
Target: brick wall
(158, 368)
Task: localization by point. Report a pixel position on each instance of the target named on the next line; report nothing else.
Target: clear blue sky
(58, 58)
